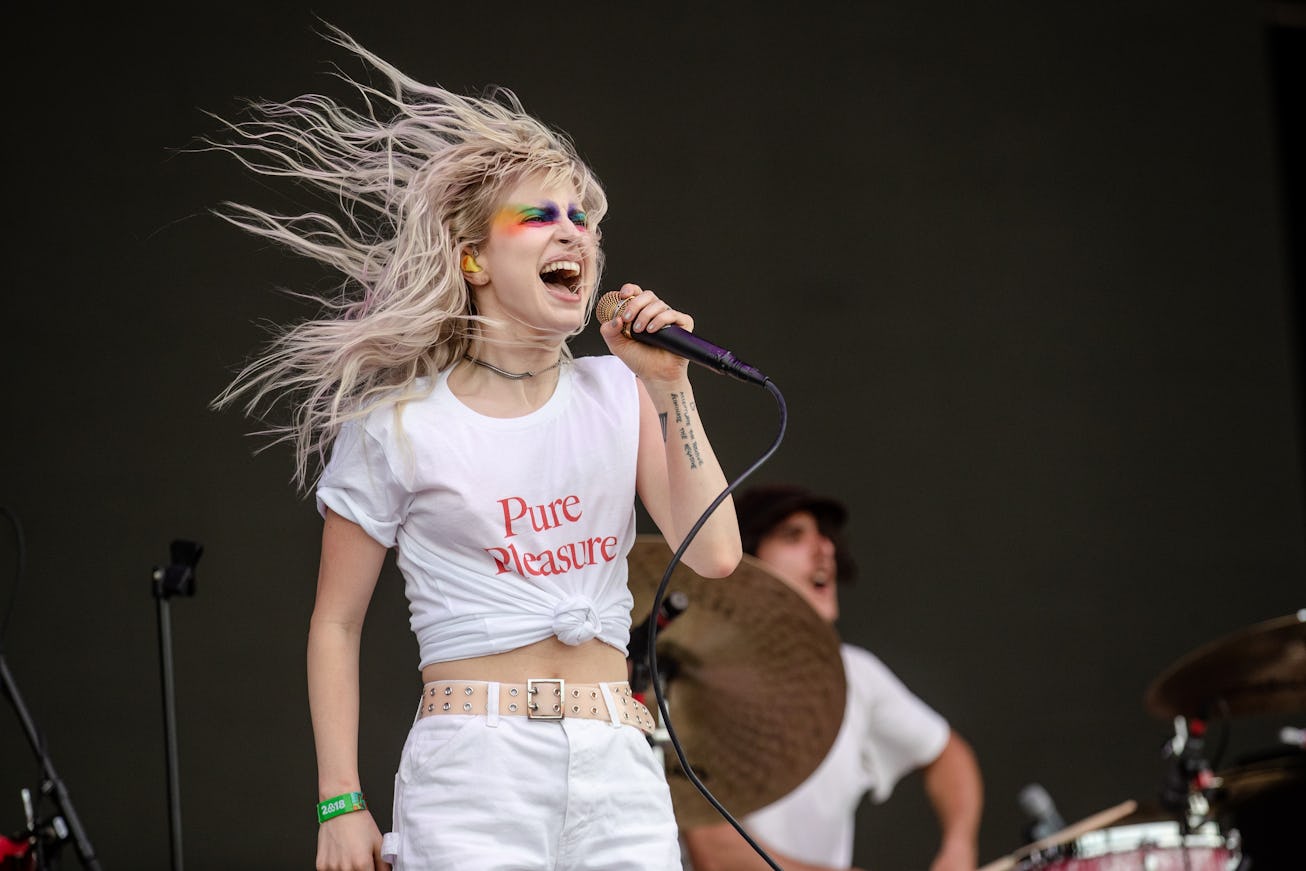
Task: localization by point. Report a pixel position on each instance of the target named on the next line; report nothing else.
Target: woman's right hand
(350, 842)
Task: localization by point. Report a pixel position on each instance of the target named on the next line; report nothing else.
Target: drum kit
(754, 686)
(1246, 816)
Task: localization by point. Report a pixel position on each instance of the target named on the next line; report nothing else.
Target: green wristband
(341, 804)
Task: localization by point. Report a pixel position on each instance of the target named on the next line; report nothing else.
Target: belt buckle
(534, 709)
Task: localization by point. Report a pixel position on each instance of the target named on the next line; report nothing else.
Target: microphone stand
(51, 785)
(177, 579)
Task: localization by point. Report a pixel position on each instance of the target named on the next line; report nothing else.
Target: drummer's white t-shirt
(886, 733)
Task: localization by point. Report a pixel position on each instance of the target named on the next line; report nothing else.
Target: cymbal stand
(65, 823)
(659, 737)
(675, 604)
(177, 579)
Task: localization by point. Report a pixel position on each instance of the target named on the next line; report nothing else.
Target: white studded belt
(538, 699)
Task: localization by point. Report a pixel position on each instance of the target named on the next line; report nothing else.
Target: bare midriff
(590, 662)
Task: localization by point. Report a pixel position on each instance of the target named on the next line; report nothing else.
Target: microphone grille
(608, 306)
(1035, 801)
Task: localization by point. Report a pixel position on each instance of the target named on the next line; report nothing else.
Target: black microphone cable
(664, 716)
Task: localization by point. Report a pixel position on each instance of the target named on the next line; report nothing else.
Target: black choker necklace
(515, 376)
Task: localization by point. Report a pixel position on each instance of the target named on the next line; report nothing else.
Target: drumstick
(1088, 824)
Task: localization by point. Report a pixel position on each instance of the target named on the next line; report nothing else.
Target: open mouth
(563, 275)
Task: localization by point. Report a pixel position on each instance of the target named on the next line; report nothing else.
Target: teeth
(561, 265)
(564, 272)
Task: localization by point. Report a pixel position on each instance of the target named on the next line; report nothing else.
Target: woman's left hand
(644, 312)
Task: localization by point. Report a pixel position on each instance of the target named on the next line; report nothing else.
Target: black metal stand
(51, 786)
(177, 579)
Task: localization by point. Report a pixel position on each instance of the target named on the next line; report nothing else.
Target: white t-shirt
(886, 733)
(508, 530)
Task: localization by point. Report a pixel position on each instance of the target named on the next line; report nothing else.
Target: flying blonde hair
(416, 174)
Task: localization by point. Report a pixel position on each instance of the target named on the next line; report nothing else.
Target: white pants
(510, 794)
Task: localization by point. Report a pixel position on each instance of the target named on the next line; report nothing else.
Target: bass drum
(1151, 846)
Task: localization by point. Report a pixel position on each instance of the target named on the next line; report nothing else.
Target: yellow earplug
(470, 264)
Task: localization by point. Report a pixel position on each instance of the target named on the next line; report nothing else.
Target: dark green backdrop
(1019, 269)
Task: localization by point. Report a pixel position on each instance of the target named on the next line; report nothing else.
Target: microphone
(673, 605)
(1035, 801)
(682, 343)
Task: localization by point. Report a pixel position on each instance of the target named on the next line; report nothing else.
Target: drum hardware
(755, 677)
(1053, 847)
(673, 605)
(641, 677)
(1133, 838)
(1207, 818)
(1263, 800)
(1190, 780)
(1258, 670)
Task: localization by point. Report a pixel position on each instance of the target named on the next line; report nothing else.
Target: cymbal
(1264, 780)
(1257, 670)
(757, 693)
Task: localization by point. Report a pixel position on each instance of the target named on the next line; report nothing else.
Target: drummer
(886, 732)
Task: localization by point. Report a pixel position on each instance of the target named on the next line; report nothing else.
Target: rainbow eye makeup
(543, 215)
(517, 218)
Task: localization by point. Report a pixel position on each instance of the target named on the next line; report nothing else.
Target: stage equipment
(176, 579)
(1257, 670)
(38, 845)
(753, 676)
(1130, 837)
(682, 343)
(1051, 847)
(47, 836)
(1206, 817)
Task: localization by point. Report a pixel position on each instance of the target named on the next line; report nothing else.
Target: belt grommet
(594, 710)
(467, 691)
(432, 690)
(467, 706)
(594, 694)
(513, 707)
(575, 694)
(512, 692)
(446, 706)
(430, 708)
(448, 691)
(575, 709)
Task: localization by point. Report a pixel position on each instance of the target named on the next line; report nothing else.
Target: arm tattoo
(688, 439)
